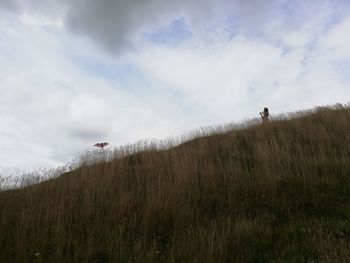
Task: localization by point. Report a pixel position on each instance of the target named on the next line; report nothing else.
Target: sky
(74, 73)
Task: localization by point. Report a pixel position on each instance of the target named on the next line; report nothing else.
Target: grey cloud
(115, 24)
(9, 5)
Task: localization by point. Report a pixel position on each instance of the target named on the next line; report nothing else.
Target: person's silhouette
(265, 116)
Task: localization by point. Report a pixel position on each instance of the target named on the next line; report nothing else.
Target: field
(255, 193)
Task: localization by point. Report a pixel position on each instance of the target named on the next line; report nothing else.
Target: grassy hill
(273, 193)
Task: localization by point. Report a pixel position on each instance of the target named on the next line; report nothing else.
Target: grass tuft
(233, 193)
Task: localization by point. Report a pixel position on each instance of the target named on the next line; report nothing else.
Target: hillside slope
(274, 193)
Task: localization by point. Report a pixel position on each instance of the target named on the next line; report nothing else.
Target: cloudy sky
(73, 73)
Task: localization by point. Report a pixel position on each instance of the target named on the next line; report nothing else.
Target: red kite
(101, 145)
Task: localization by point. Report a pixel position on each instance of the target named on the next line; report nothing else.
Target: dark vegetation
(273, 193)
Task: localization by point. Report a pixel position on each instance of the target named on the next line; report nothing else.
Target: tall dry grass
(241, 193)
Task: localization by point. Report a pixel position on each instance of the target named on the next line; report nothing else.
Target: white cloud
(230, 79)
(338, 40)
(52, 108)
(117, 25)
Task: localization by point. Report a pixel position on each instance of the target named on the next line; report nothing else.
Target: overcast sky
(73, 73)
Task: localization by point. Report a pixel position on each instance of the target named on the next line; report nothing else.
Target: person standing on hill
(265, 116)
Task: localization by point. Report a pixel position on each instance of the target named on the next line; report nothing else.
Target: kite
(101, 145)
